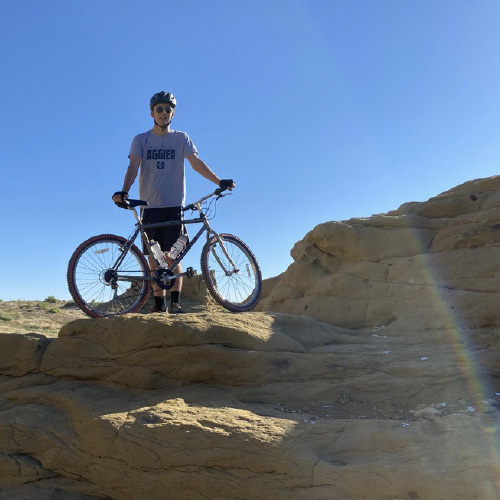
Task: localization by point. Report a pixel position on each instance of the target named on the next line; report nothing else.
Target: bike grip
(124, 205)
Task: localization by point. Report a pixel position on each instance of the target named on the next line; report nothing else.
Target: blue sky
(319, 109)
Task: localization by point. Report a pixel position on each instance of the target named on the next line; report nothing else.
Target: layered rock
(429, 265)
(380, 386)
(225, 406)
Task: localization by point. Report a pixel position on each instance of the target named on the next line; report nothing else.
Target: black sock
(160, 303)
(175, 297)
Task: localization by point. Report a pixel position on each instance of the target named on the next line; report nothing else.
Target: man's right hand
(119, 196)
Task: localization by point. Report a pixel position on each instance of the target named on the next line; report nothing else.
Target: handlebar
(195, 206)
(128, 204)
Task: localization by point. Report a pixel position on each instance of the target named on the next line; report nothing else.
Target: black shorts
(165, 236)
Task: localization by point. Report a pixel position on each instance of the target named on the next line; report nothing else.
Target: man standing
(160, 154)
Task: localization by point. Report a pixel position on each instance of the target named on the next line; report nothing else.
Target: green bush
(53, 310)
(51, 299)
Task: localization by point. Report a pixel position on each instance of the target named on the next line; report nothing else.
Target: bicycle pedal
(190, 272)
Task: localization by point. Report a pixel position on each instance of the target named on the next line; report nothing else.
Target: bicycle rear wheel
(238, 289)
(98, 287)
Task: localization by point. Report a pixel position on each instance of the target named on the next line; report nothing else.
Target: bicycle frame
(140, 229)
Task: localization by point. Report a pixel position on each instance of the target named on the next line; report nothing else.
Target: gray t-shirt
(162, 180)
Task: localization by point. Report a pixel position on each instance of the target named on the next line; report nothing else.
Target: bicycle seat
(131, 203)
(136, 203)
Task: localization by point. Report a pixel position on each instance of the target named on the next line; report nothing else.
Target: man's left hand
(227, 184)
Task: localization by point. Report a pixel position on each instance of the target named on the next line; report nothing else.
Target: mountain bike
(109, 275)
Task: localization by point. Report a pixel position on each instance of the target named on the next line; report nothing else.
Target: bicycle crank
(164, 278)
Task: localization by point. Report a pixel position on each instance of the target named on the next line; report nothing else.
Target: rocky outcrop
(427, 265)
(374, 379)
(224, 406)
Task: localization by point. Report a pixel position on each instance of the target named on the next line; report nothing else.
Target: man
(160, 154)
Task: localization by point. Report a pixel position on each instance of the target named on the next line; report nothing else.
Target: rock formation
(373, 378)
(421, 263)
(430, 265)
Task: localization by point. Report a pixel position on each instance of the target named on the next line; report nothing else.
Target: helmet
(162, 97)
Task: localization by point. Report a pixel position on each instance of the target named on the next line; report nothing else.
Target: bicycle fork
(226, 254)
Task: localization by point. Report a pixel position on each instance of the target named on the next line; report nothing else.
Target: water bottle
(156, 250)
(177, 247)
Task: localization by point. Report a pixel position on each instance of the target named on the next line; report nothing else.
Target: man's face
(162, 113)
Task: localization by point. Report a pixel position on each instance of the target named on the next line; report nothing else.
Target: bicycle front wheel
(232, 273)
(99, 286)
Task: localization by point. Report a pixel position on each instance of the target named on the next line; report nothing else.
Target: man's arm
(202, 168)
(130, 176)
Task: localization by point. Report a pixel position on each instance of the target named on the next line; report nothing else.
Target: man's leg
(159, 294)
(166, 237)
(175, 291)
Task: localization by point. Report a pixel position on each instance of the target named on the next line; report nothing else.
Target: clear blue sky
(319, 109)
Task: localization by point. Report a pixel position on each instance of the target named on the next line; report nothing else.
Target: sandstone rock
(373, 378)
(252, 353)
(195, 296)
(432, 262)
(233, 406)
(21, 354)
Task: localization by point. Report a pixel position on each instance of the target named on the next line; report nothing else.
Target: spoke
(238, 287)
(90, 281)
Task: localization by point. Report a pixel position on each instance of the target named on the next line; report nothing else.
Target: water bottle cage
(177, 247)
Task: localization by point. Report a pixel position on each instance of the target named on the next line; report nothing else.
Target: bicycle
(108, 274)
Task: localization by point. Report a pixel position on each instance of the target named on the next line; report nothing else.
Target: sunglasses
(160, 109)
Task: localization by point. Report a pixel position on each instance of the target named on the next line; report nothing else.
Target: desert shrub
(4, 316)
(51, 299)
(53, 310)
